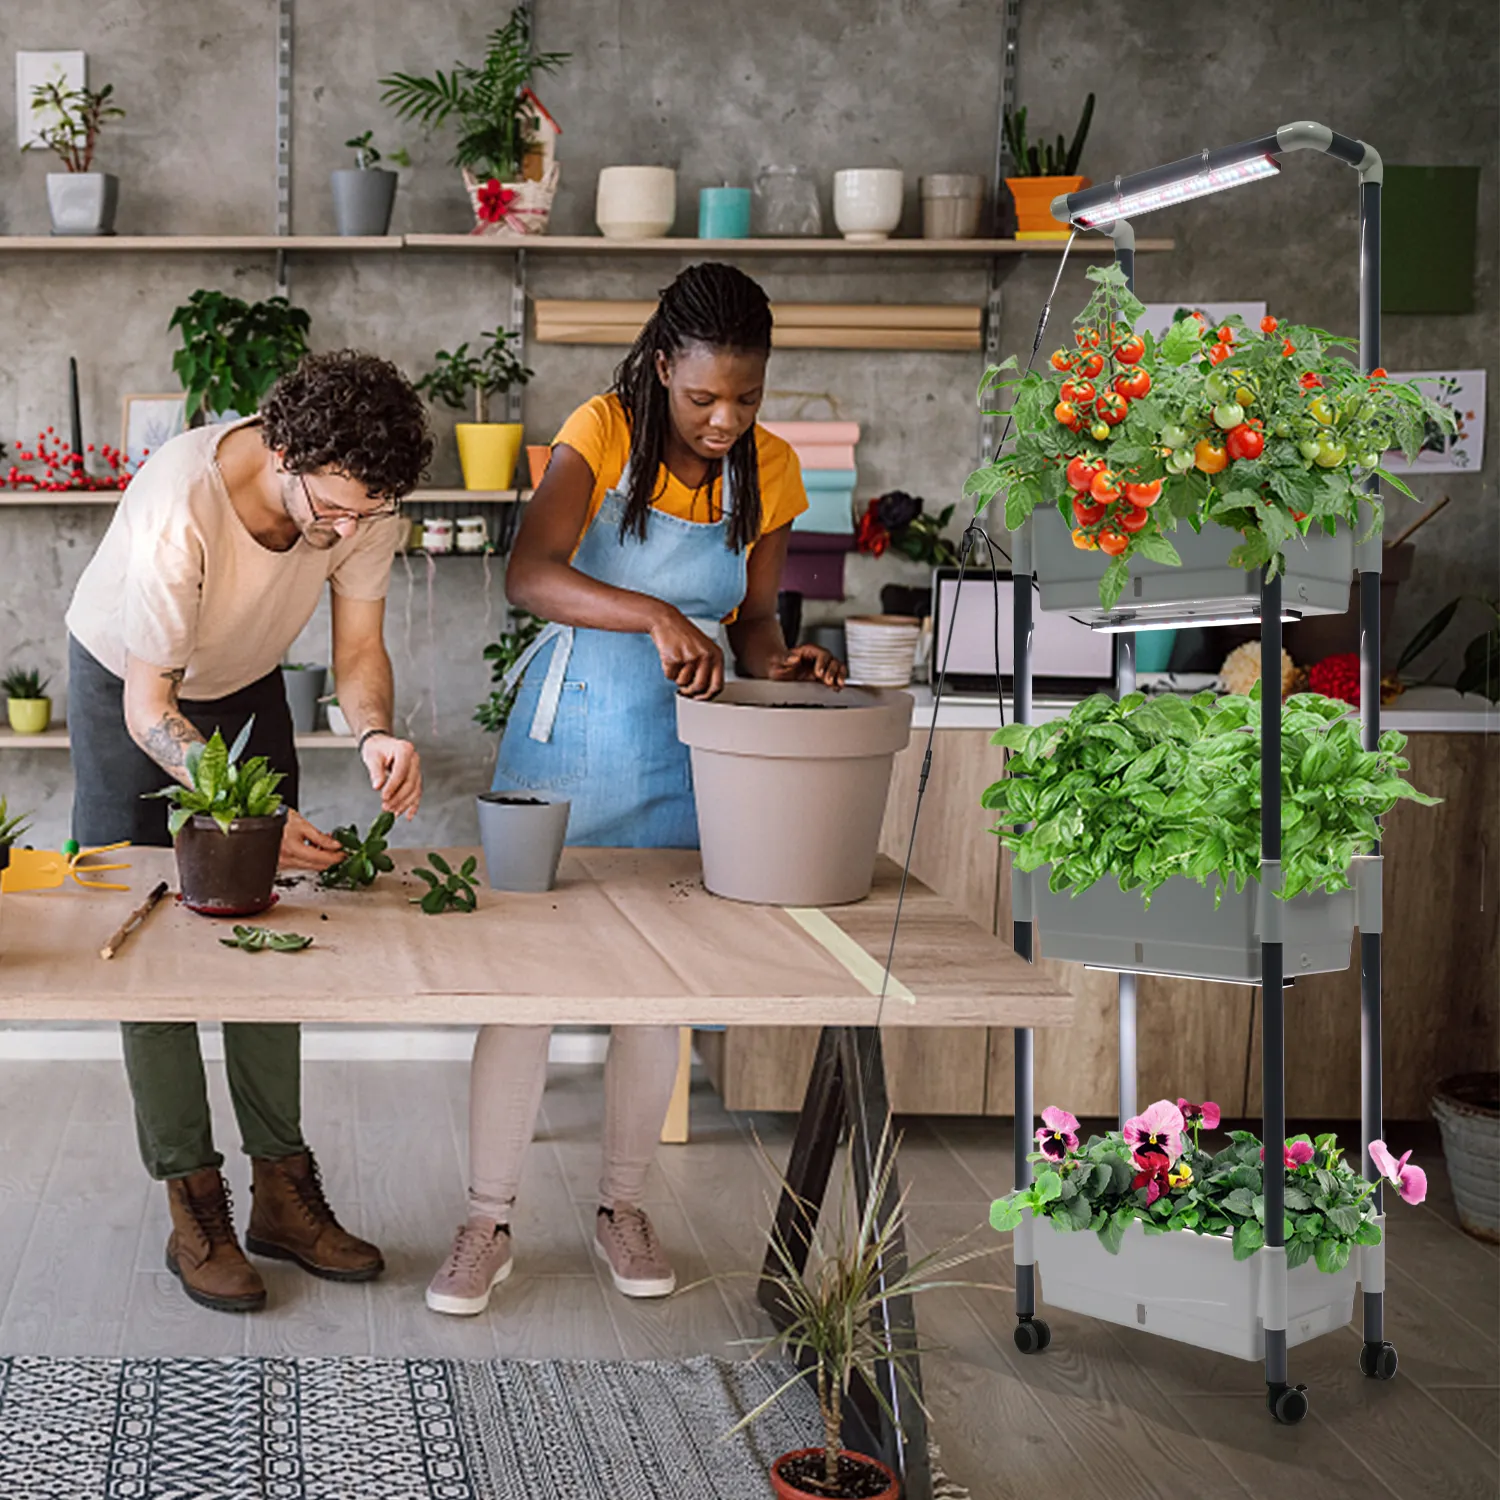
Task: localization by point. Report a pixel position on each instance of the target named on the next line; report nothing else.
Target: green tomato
(1330, 454)
(1309, 448)
(1282, 430)
(1245, 396)
(1320, 411)
(1174, 436)
(1369, 460)
(1181, 460)
(1216, 388)
(1228, 414)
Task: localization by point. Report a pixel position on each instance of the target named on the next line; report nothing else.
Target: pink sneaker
(627, 1242)
(479, 1261)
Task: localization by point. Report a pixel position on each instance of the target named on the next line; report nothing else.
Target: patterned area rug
(391, 1429)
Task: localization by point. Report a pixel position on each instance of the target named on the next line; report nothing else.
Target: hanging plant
(1266, 432)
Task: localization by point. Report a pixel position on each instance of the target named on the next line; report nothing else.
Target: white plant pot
(82, 203)
(1188, 1287)
(867, 203)
(1182, 933)
(1316, 581)
(337, 723)
(636, 203)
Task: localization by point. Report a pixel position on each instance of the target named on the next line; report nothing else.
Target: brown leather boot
(290, 1220)
(203, 1253)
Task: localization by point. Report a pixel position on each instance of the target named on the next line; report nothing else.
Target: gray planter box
(1316, 581)
(1183, 935)
(304, 688)
(83, 203)
(362, 200)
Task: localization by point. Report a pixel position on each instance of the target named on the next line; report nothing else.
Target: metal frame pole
(1022, 926)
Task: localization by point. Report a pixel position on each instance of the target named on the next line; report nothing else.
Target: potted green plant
(234, 351)
(364, 194)
(27, 704)
(1147, 1227)
(1042, 171)
(1141, 820)
(1262, 440)
(1480, 672)
(487, 450)
(506, 139)
(12, 828)
(304, 691)
(226, 824)
(81, 201)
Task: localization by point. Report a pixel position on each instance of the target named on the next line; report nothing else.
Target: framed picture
(148, 422)
(1462, 392)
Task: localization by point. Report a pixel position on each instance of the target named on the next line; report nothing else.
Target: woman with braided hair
(664, 512)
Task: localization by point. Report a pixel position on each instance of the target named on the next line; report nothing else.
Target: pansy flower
(1180, 1176)
(1410, 1182)
(1153, 1167)
(1203, 1116)
(1158, 1129)
(1294, 1154)
(1059, 1133)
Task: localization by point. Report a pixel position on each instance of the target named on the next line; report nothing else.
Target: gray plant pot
(1183, 935)
(83, 203)
(523, 840)
(1467, 1109)
(362, 200)
(1316, 581)
(304, 687)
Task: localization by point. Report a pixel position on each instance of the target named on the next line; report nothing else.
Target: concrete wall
(717, 92)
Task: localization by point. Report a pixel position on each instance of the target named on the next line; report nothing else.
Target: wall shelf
(109, 497)
(57, 739)
(125, 244)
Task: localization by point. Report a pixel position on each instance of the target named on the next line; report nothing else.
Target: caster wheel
(1032, 1336)
(1378, 1361)
(1288, 1405)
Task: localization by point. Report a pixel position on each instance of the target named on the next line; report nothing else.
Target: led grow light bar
(1119, 202)
(1131, 624)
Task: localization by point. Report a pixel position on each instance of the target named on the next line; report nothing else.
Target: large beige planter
(791, 781)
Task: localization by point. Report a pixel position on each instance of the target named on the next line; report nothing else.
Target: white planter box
(1183, 935)
(1316, 580)
(1188, 1287)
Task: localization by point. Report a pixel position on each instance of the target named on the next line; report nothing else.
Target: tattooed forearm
(167, 742)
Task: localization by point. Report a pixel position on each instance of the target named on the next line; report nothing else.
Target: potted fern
(234, 351)
(506, 139)
(81, 200)
(487, 450)
(1043, 169)
(27, 704)
(226, 824)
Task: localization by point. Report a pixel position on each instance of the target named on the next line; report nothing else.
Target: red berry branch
(57, 469)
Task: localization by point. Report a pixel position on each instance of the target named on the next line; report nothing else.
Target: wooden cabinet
(1441, 961)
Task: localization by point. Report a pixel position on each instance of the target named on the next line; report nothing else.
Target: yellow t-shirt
(600, 433)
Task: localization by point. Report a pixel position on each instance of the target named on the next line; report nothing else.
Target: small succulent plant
(364, 857)
(258, 939)
(447, 889)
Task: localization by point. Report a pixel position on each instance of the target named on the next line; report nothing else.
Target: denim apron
(595, 720)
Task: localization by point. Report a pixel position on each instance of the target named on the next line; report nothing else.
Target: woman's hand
(688, 657)
(303, 847)
(809, 664)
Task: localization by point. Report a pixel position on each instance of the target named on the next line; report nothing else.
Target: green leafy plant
(1151, 788)
(447, 889)
(364, 856)
(1480, 672)
(1265, 432)
(78, 118)
(258, 939)
(494, 713)
(491, 372)
(495, 119)
(12, 826)
(1045, 159)
(367, 156)
(25, 684)
(221, 788)
(234, 351)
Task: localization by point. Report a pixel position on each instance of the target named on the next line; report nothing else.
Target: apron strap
(545, 717)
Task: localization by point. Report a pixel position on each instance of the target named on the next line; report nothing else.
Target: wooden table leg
(674, 1130)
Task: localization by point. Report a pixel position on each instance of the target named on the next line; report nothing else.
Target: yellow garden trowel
(46, 869)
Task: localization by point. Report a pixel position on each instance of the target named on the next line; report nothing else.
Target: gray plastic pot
(1467, 1109)
(523, 840)
(363, 199)
(304, 690)
(1182, 933)
(790, 780)
(1316, 581)
(83, 203)
(229, 874)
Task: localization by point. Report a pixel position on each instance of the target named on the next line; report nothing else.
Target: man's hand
(303, 847)
(395, 772)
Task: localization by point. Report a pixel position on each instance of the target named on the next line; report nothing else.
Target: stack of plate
(882, 649)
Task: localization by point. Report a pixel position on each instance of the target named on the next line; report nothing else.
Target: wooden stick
(133, 921)
(1421, 520)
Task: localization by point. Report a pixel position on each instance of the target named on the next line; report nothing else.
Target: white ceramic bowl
(636, 203)
(867, 203)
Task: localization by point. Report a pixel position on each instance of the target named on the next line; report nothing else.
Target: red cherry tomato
(1061, 360)
(1084, 542)
(1244, 442)
(1086, 514)
(1288, 348)
(1130, 349)
(1105, 487)
(1144, 495)
(1218, 353)
(1378, 373)
(1133, 383)
(1268, 324)
(1091, 365)
(1134, 520)
(1081, 471)
(1226, 334)
(1113, 542)
(1079, 392)
(1066, 413)
(1209, 457)
(1112, 408)
(1088, 338)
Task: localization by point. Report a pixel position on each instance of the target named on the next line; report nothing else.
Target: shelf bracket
(516, 323)
(283, 136)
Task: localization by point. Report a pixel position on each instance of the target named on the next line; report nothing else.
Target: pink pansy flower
(1294, 1154)
(1059, 1133)
(1410, 1182)
(1153, 1174)
(1203, 1116)
(1159, 1129)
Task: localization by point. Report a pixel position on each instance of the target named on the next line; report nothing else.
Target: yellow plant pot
(488, 452)
(1034, 197)
(29, 715)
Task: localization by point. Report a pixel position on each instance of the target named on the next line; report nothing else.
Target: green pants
(165, 1066)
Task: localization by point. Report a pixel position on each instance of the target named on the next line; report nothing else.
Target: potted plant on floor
(234, 351)
(487, 450)
(1151, 1229)
(1042, 171)
(364, 194)
(27, 704)
(1141, 820)
(506, 139)
(1261, 440)
(81, 201)
(226, 825)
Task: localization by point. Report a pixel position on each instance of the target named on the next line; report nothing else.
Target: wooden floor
(1105, 1412)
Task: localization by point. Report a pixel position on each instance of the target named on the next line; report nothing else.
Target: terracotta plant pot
(790, 780)
(229, 874)
(785, 1490)
(523, 840)
(1033, 197)
(29, 715)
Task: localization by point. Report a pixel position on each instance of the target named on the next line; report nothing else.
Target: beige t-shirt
(179, 582)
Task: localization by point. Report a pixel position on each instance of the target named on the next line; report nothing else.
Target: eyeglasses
(333, 515)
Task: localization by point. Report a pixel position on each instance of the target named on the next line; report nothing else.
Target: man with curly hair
(214, 563)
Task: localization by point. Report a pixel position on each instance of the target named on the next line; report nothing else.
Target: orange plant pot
(787, 1491)
(537, 457)
(1034, 197)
